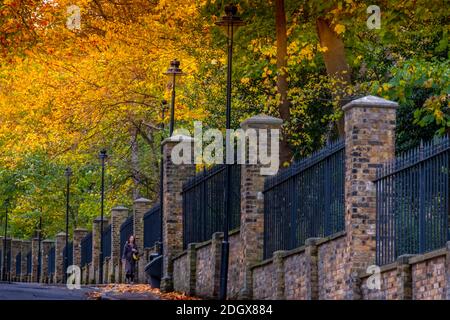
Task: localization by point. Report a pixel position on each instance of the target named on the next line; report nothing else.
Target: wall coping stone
(330, 238)
(119, 208)
(81, 229)
(61, 234)
(142, 200)
(98, 219)
(180, 255)
(427, 256)
(48, 241)
(370, 102)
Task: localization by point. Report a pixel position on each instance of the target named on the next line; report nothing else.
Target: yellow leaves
(339, 28)
(322, 49)
(245, 80)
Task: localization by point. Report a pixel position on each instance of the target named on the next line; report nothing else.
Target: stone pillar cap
(98, 219)
(48, 240)
(120, 208)
(80, 230)
(144, 200)
(61, 234)
(260, 120)
(370, 102)
(178, 138)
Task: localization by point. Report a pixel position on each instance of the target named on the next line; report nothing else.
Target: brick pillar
(174, 177)
(278, 262)
(404, 277)
(141, 207)
(369, 142)
(252, 204)
(16, 247)
(192, 268)
(46, 246)
(78, 235)
(216, 254)
(59, 257)
(35, 259)
(26, 246)
(118, 216)
(312, 271)
(96, 233)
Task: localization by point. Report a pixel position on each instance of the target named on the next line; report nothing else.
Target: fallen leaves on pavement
(117, 289)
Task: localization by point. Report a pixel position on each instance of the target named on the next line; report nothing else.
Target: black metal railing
(18, 264)
(51, 261)
(152, 226)
(29, 263)
(69, 254)
(107, 242)
(86, 249)
(203, 203)
(305, 200)
(412, 202)
(126, 230)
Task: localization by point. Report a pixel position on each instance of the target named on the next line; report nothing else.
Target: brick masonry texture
(295, 278)
(388, 287)
(235, 266)
(429, 279)
(180, 269)
(264, 282)
(331, 268)
(206, 267)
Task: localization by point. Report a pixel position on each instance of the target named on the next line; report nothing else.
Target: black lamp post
(103, 157)
(4, 242)
(230, 23)
(161, 175)
(68, 173)
(173, 71)
(39, 248)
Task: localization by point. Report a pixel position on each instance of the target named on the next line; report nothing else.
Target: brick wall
(235, 266)
(429, 279)
(331, 267)
(264, 281)
(180, 267)
(295, 277)
(388, 285)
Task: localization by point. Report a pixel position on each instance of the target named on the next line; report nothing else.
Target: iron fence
(106, 242)
(29, 263)
(203, 203)
(51, 261)
(412, 202)
(69, 253)
(305, 200)
(8, 261)
(18, 264)
(152, 226)
(86, 250)
(126, 230)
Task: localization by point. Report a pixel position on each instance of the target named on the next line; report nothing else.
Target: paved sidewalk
(38, 291)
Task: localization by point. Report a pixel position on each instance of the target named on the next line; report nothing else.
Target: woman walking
(131, 256)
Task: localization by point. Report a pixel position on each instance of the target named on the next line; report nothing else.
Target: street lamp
(103, 157)
(39, 248)
(4, 242)
(68, 173)
(173, 71)
(230, 23)
(161, 175)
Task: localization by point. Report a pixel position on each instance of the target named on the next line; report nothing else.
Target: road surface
(36, 291)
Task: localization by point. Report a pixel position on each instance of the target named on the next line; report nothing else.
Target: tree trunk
(335, 60)
(282, 85)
